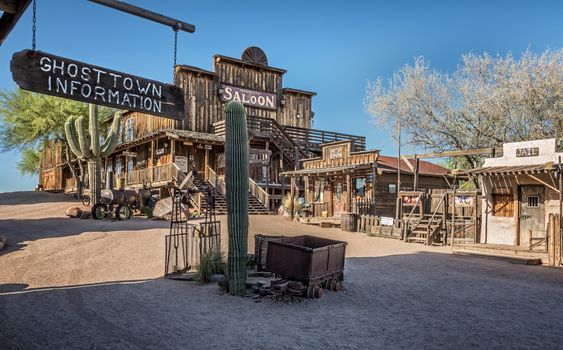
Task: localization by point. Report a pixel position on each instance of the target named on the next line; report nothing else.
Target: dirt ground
(69, 283)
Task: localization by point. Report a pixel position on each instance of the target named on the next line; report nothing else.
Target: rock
(163, 209)
(74, 212)
(3, 242)
(217, 278)
(86, 215)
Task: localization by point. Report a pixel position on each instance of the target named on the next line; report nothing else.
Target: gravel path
(82, 284)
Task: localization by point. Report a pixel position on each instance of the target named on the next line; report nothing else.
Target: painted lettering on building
(248, 97)
(528, 152)
(48, 74)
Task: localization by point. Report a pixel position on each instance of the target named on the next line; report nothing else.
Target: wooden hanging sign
(62, 77)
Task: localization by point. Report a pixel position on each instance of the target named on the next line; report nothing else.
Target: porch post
(292, 197)
(349, 193)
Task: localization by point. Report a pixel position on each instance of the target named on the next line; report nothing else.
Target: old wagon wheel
(310, 293)
(99, 211)
(317, 291)
(123, 212)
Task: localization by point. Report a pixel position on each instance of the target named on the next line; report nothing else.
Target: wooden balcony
(158, 174)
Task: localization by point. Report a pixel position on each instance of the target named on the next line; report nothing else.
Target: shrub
(286, 203)
(210, 263)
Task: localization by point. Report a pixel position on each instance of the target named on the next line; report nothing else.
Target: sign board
(410, 200)
(182, 163)
(249, 97)
(159, 151)
(335, 153)
(528, 152)
(386, 221)
(129, 154)
(464, 201)
(53, 75)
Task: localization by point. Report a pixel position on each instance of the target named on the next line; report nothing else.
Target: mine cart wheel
(317, 291)
(99, 211)
(122, 212)
(310, 293)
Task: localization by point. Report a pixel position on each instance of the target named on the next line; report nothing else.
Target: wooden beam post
(348, 193)
(292, 197)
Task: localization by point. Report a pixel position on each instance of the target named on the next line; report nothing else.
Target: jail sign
(62, 77)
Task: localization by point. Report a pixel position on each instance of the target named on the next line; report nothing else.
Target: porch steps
(419, 233)
(254, 205)
(513, 254)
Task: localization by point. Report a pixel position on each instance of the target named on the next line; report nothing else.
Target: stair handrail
(215, 180)
(258, 192)
(442, 200)
(408, 222)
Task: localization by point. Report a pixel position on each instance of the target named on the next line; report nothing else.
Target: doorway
(532, 213)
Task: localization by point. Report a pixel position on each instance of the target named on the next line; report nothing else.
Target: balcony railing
(160, 173)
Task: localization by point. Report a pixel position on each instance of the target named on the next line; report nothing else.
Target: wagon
(313, 261)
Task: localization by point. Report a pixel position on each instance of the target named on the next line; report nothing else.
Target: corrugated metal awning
(513, 170)
(343, 169)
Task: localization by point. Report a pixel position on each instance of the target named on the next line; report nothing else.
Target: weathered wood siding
(50, 171)
(144, 124)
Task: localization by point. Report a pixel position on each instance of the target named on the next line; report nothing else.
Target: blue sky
(331, 47)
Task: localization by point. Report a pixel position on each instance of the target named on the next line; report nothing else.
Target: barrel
(348, 222)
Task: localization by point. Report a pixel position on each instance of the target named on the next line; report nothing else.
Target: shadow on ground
(31, 197)
(422, 300)
(18, 231)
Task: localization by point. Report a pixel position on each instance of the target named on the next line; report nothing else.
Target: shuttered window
(503, 205)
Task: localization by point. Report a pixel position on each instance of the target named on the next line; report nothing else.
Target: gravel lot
(86, 284)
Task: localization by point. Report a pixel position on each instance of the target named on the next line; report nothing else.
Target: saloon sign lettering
(248, 97)
(48, 74)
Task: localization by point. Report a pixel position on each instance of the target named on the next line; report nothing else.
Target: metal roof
(329, 170)
(513, 170)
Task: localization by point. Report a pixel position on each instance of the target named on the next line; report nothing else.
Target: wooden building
(343, 180)
(157, 150)
(521, 200)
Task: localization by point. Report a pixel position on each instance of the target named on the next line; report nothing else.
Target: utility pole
(398, 202)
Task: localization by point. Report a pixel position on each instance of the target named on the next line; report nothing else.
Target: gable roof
(389, 164)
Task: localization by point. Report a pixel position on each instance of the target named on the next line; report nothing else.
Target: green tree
(488, 100)
(29, 120)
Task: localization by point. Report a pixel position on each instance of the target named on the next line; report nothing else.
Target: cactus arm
(71, 137)
(94, 130)
(83, 139)
(111, 141)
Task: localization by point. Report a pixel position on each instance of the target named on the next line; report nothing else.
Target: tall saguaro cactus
(236, 181)
(84, 141)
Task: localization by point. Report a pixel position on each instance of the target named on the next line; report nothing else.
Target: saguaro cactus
(236, 181)
(84, 141)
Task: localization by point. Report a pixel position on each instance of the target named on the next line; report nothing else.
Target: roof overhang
(12, 11)
(336, 170)
(513, 170)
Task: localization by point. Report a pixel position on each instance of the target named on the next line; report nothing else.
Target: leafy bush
(286, 203)
(210, 263)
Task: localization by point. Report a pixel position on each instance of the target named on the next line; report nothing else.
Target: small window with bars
(533, 201)
(503, 205)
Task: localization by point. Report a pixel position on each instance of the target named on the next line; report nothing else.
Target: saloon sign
(248, 97)
(48, 74)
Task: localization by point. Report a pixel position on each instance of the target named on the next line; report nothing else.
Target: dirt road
(87, 284)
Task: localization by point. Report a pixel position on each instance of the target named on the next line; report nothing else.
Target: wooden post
(475, 218)
(453, 219)
(416, 166)
(152, 160)
(445, 218)
(560, 231)
(268, 173)
(292, 197)
(206, 163)
(349, 193)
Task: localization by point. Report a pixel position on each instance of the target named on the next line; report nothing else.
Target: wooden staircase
(216, 188)
(425, 229)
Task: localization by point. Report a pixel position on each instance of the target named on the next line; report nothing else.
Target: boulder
(74, 212)
(2, 242)
(163, 209)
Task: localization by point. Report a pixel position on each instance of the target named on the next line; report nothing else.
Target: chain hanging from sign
(34, 27)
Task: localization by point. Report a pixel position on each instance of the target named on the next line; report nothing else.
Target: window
(533, 201)
(392, 188)
(129, 129)
(503, 205)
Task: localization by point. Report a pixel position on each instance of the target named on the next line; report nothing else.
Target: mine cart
(314, 262)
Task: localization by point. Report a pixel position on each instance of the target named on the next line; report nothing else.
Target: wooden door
(338, 197)
(532, 213)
